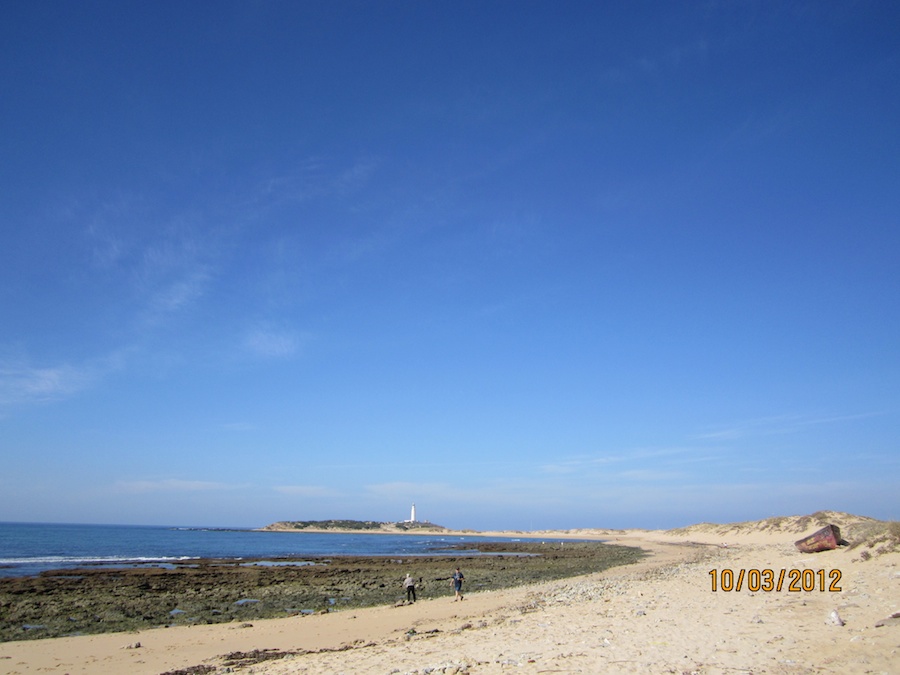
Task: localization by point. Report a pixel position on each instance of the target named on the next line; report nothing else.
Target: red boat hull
(826, 539)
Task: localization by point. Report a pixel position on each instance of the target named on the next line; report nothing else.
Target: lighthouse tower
(412, 514)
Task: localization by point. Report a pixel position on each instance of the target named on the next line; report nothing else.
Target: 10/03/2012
(769, 580)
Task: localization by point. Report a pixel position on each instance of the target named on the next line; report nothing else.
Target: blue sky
(525, 264)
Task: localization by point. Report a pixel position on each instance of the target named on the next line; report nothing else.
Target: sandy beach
(660, 615)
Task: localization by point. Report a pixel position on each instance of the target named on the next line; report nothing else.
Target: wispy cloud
(170, 485)
(777, 425)
(238, 426)
(394, 488)
(637, 455)
(311, 178)
(274, 343)
(660, 63)
(177, 294)
(162, 273)
(304, 182)
(650, 475)
(173, 273)
(305, 490)
(501, 494)
(110, 228)
(356, 176)
(22, 383)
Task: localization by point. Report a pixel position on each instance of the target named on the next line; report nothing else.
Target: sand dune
(658, 616)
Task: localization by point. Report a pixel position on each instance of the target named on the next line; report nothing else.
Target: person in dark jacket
(457, 584)
(410, 585)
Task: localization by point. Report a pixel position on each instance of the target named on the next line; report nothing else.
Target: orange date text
(768, 580)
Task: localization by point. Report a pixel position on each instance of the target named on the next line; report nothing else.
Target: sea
(31, 548)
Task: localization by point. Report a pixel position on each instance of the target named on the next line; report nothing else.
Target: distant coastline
(360, 527)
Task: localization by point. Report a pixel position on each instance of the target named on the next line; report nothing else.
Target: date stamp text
(768, 580)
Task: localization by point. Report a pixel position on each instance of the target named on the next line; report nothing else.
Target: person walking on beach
(410, 585)
(457, 584)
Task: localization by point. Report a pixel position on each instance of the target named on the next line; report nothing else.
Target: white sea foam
(99, 560)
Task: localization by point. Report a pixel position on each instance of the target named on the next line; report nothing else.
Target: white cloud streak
(270, 343)
(586, 462)
(777, 425)
(178, 294)
(24, 384)
(305, 491)
(170, 485)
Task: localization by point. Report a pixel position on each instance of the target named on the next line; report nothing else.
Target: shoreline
(97, 600)
(656, 615)
(430, 543)
(164, 650)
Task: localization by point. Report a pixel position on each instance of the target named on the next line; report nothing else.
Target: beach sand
(656, 616)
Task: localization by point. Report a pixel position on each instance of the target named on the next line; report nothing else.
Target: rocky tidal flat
(109, 599)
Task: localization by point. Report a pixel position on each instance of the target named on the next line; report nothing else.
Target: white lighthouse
(412, 514)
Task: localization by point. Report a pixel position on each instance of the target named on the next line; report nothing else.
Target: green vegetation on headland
(351, 525)
(110, 599)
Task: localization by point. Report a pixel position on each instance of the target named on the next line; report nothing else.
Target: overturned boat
(826, 539)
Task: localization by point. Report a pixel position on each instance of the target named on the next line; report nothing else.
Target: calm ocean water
(28, 548)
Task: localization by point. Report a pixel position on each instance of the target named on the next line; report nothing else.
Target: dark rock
(892, 620)
(99, 600)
